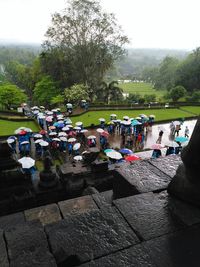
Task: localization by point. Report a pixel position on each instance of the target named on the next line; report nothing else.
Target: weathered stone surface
(139, 177)
(103, 199)
(12, 220)
(90, 235)
(186, 213)
(77, 206)
(148, 214)
(45, 214)
(134, 256)
(27, 246)
(180, 249)
(3, 252)
(168, 164)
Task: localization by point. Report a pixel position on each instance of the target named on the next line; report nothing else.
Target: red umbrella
(22, 132)
(105, 134)
(43, 132)
(132, 158)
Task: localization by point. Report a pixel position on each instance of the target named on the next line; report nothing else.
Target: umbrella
(172, 144)
(176, 123)
(126, 123)
(56, 124)
(114, 155)
(78, 158)
(77, 128)
(62, 134)
(184, 144)
(135, 123)
(152, 116)
(27, 162)
(102, 120)
(138, 118)
(37, 136)
(43, 132)
(10, 140)
(84, 101)
(126, 117)
(132, 158)
(35, 112)
(181, 139)
(54, 110)
(76, 146)
(65, 128)
(79, 123)
(64, 139)
(157, 146)
(44, 143)
(69, 105)
(38, 141)
(110, 122)
(60, 125)
(12, 137)
(42, 107)
(60, 121)
(84, 131)
(69, 126)
(52, 134)
(49, 119)
(35, 107)
(19, 130)
(71, 140)
(49, 113)
(118, 120)
(56, 139)
(113, 115)
(108, 150)
(24, 143)
(143, 116)
(105, 134)
(91, 137)
(23, 132)
(126, 151)
(68, 121)
(99, 130)
(28, 130)
(52, 127)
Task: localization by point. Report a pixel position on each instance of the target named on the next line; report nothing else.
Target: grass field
(8, 127)
(192, 109)
(161, 114)
(141, 88)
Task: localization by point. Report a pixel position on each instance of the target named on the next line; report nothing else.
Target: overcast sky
(148, 23)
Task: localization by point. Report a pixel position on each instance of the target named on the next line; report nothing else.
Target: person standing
(187, 132)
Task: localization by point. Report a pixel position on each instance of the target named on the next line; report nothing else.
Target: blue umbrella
(108, 150)
(60, 125)
(135, 122)
(181, 139)
(126, 151)
(56, 124)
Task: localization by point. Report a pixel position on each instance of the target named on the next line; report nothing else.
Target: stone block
(45, 214)
(88, 236)
(27, 246)
(77, 206)
(3, 252)
(149, 215)
(139, 177)
(12, 220)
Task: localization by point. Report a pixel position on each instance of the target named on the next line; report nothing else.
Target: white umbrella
(152, 116)
(42, 107)
(118, 120)
(71, 140)
(114, 155)
(143, 116)
(78, 158)
(172, 144)
(37, 136)
(24, 142)
(65, 128)
(126, 117)
(56, 139)
(76, 146)
(49, 113)
(35, 107)
(91, 137)
(69, 126)
(54, 110)
(35, 111)
(126, 122)
(84, 131)
(62, 134)
(38, 141)
(19, 130)
(99, 130)
(68, 121)
(27, 162)
(64, 139)
(52, 134)
(79, 123)
(44, 143)
(113, 115)
(10, 140)
(102, 119)
(69, 105)
(77, 128)
(138, 118)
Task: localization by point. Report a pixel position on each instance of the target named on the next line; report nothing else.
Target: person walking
(187, 132)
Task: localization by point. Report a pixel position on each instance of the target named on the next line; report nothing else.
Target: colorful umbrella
(43, 132)
(105, 134)
(49, 119)
(114, 155)
(108, 150)
(100, 130)
(181, 139)
(157, 146)
(52, 127)
(23, 132)
(126, 151)
(135, 123)
(132, 158)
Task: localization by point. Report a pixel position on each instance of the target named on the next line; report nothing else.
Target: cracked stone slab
(180, 249)
(133, 256)
(45, 214)
(77, 205)
(168, 164)
(103, 199)
(139, 177)
(27, 246)
(11, 220)
(149, 215)
(3, 252)
(89, 235)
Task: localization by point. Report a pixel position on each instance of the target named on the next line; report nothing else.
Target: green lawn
(8, 127)
(161, 114)
(192, 109)
(141, 88)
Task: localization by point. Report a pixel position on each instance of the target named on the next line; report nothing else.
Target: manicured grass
(192, 109)
(8, 127)
(141, 88)
(161, 114)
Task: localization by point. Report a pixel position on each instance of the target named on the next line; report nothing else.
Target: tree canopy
(76, 93)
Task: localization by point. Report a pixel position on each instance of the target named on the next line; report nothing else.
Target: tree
(45, 90)
(177, 92)
(11, 95)
(109, 92)
(89, 41)
(58, 100)
(76, 93)
(150, 98)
